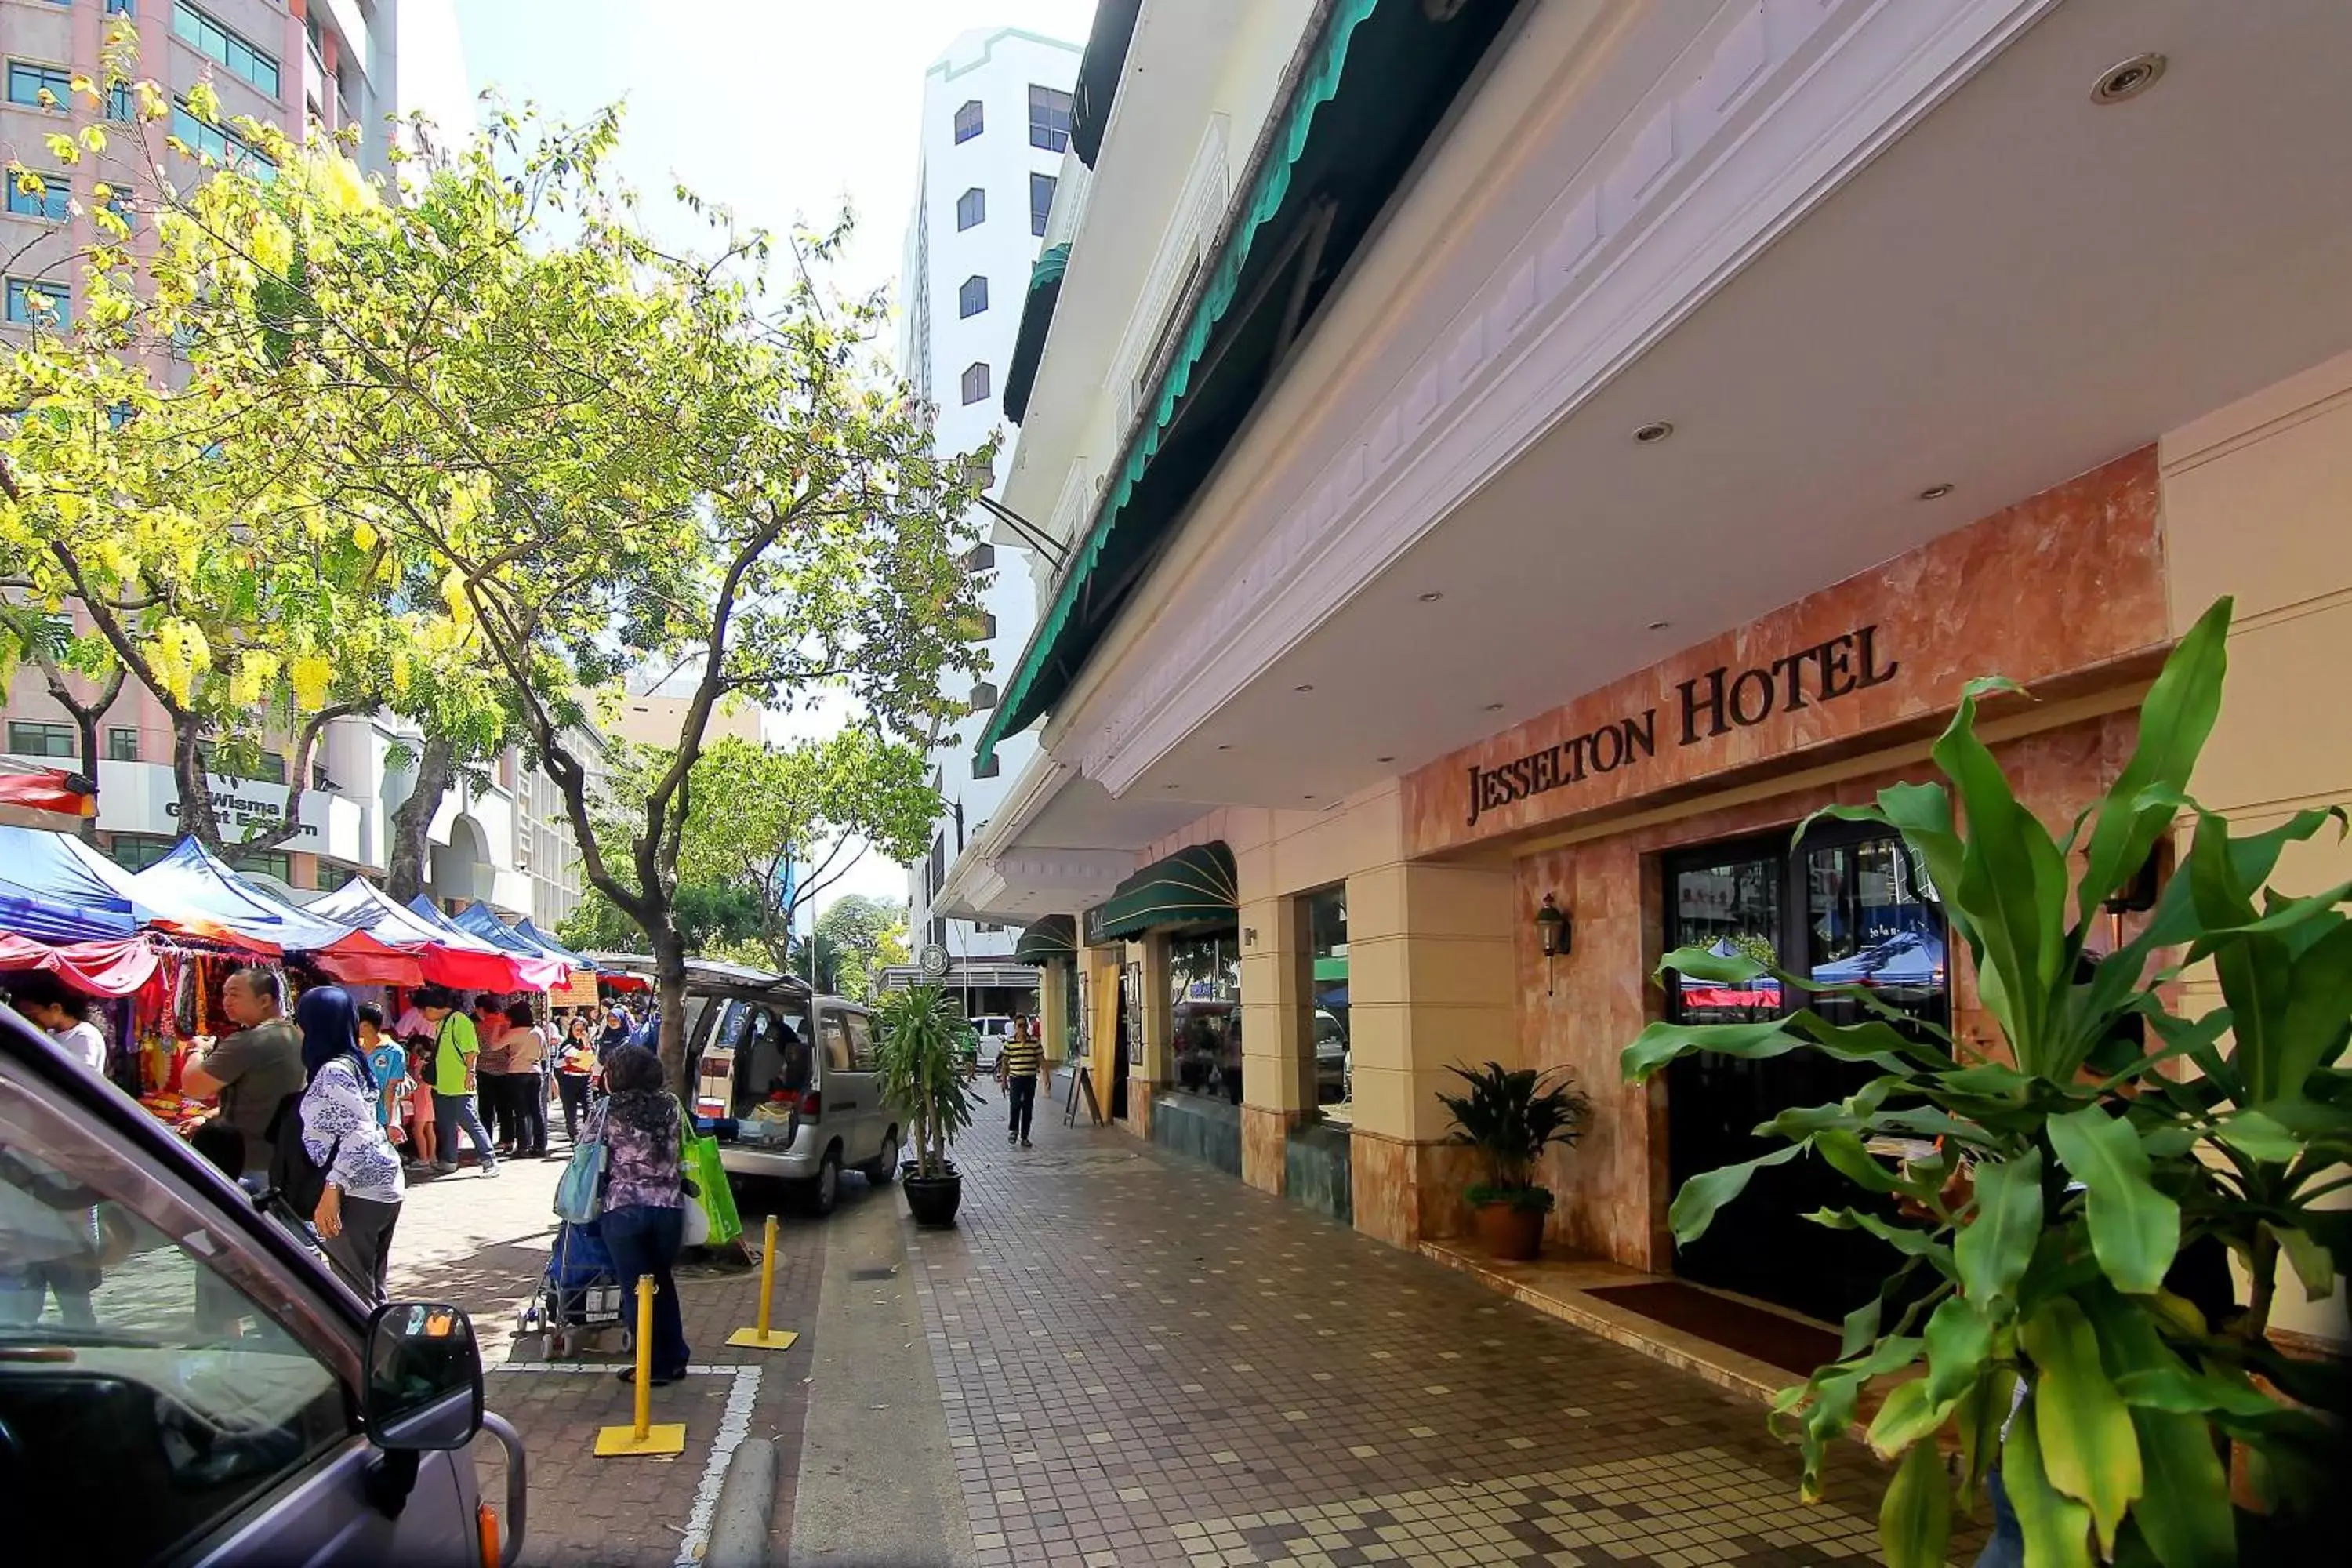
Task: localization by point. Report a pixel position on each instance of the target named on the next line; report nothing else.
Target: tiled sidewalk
(1145, 1361)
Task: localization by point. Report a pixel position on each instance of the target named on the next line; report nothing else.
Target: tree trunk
(196, 814)
(669, 986)
(86, 716)
(412, 823)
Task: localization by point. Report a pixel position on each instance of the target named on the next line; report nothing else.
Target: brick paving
(1144, 1361)
(484, 1245)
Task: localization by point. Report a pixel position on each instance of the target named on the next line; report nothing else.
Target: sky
(779, 109)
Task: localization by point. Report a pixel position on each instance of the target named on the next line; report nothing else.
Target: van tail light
(812, 1102)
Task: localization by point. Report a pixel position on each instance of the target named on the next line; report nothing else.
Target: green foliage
(2074, 1175)
(713, 917)
(1511, 1115)
(916, 1033)
(863, 935)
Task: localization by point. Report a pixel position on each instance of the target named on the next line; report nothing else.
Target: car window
(861, 1042)
(142, 1357)
(836, 1043)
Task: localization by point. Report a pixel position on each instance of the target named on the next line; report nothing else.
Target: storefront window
(1205, 980)
(1327, 949)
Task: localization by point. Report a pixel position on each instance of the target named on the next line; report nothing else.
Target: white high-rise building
(996, 124)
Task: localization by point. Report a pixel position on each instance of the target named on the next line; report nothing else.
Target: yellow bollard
(762, 1337)
(643, 1436)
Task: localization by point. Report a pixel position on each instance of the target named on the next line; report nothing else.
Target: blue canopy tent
(55, 888)
(554, 948)
(549, 972)
(1908, 958)
(483, 922)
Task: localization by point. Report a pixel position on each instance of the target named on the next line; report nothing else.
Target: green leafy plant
(2036, 1247)
(916, 1054)
(1511, 1115)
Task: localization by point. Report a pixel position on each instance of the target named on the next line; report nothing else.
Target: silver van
(785, 1079)
(182, 1382)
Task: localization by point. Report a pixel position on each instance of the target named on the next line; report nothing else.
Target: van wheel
(826, 1191)
(881, 1169)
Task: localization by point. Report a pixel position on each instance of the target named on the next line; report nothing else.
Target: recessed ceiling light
(2129, 79)
(1935, 492)
(1384, 759)
(1168, 786)
(1432, 597)
(1656, 430)
(1307, 798)
(1494, 708)
(1225, 747)
(1660, 625)
(1307, 686)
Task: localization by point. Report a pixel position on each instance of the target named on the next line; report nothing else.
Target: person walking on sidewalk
(526, 1046)
(252, 1071)
(644, 1223)
(1016, 1068)
(343, 1135)
(455, 1048)
(573, 1067)
(494, 1089)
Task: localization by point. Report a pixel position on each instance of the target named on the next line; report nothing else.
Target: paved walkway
(1130, 1360)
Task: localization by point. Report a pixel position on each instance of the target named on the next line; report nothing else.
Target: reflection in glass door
(1848, 906)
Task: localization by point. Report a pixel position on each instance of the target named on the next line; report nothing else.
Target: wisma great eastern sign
(1705, 706)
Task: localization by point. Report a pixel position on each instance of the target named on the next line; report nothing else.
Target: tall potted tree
(915, 1053)
(1511, 1115)
(2043, 1261)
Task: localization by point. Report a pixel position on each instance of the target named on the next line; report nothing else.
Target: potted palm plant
(917, 1054)
(1511, 1115)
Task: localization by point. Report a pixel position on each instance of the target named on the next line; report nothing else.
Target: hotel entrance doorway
(1852, 904)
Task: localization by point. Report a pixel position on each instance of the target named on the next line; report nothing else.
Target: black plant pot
(933, 1200)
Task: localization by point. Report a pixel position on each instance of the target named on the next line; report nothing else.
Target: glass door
(1847, 905)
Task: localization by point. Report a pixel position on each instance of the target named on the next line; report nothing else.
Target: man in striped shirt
(1016, 1069)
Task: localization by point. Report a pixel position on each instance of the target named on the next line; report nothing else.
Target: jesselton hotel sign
(1706, 706)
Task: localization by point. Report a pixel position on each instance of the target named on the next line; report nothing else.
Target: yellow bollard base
(661, 1437)
(754, 1340)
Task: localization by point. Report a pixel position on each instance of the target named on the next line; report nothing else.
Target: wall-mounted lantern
(1554, 932)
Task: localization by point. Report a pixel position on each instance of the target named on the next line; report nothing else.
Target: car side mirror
(424, 1378)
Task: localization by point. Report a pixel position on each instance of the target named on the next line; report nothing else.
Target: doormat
(1768, 1337)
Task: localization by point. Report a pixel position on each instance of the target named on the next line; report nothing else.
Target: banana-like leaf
(2175, 719)
(1982, 1413)
(2180, 1392)
(1903, 1238)
(2184, 1514)
(1846, 1154)
(2318, 1012)
(2312, 1263)
(1662, 1042)
(1694, 1208)
(2090, 1449)
(2258, 1136)
(1959, 1338)
(2135, 1229)
(1993, 1248)
(2056, 1527)
(1914, 1518)
(1906, 1415)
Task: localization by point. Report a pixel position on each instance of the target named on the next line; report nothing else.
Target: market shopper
(389, 1064)
(1017, 1064)
(342, 1134)
(574, 1065)
(614, 1032)
(61, 1014)
(455, 1050)
(527, 1080)
(644, 1222)
(252, 1071)
(497, 1095)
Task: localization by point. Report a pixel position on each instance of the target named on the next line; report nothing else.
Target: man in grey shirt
(253, 1069)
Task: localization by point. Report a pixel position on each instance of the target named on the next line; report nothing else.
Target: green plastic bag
(698, 1159)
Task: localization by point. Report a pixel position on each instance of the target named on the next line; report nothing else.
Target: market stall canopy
(55, 888)
(425, 910)
(1052, 939)
(115, 968)
(1193, 886)
(530, 932)
(37, 797)
(192, 890)
(445, 955)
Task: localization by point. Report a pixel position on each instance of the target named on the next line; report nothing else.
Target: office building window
(986, 770)
(33, 739)
(1049, 118)
(30, 298)
(119, 105)
(36, 194)
(1041, 202)
(216, 43)
(983, 696)
(971, 209)
(972, 298)
(979, 558)
(987, 625)
(969, 121)
(268, 767)
(123, 745)
(975, 381)
(122, 7)
(28, 83)
(220, 145)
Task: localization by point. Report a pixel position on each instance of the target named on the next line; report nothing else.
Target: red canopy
(99, 968)
(35, 797)
(443, 954)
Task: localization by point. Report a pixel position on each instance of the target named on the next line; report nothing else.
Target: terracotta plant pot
(1508, 1232)
(933, 1200)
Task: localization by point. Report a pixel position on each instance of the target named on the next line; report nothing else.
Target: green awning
(1099, 69)
(1036, 320)
(1365, 97)
(1053, 938)
(1193, 886)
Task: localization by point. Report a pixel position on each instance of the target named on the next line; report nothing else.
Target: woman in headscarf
(361, 1202)
(644, 1222)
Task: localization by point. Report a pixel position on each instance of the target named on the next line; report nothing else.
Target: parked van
(784, 1078)
(993, 1030)
(180, 1382)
